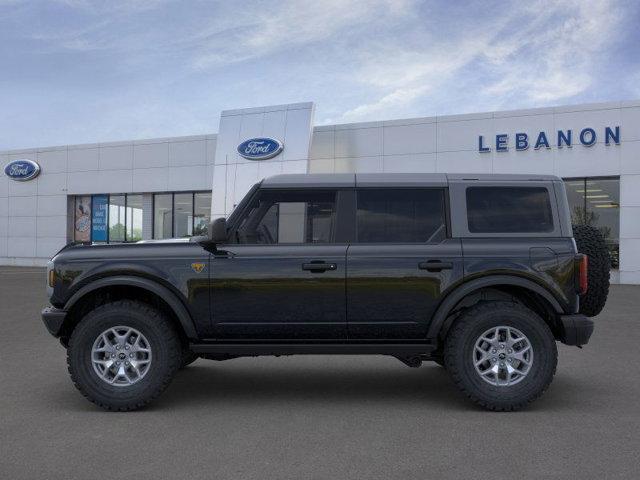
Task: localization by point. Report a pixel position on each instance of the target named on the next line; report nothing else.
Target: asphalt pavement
(314, 417)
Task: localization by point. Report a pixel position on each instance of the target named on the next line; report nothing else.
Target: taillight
(583, 280)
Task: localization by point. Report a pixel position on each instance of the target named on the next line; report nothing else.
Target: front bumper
(576, 329)
(53, 319)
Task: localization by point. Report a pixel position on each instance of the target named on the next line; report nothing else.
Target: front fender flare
(467, 288)
(161, 291)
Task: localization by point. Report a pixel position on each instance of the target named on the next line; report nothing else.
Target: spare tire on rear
(591, 243)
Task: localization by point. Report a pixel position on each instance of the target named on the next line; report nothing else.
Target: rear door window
(401, 215)
(509, 210)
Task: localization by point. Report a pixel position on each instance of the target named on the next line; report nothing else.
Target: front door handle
(318, 267)
(435, 266)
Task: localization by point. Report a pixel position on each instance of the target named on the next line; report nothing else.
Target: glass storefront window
(134, 218)
(99, 216)
(596, 202)
(162, 215)
(575, 195)
(82, 219)
(117, 218)
(108, 218)
(201, 212)
(182, 215)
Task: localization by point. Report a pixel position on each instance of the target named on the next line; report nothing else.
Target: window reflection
(134, 218)
(183, 215)
(117, 214)
(120, 217)
(596, 202)
(289, 217)
(400, 216)
(201, 212)
(162, 215)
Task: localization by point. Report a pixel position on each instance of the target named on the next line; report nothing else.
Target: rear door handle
(435, 266)
(318, 267)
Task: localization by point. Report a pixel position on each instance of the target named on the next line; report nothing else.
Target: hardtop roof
(345, 180)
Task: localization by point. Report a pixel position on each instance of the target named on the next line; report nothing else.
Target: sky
(80, 71)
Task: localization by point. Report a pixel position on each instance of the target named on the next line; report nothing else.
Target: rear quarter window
(509, 210)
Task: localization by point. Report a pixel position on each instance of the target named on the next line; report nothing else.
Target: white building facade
(172, 187)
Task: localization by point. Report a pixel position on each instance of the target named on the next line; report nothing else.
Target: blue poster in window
(99, 206)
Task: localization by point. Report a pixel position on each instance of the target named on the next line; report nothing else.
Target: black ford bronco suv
(479, 273)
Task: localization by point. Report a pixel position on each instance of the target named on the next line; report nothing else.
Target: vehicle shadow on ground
(428, 386)
(207, 384)
(198, 384)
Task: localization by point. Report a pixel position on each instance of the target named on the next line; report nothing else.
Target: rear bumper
(576, 329)
(53, 319)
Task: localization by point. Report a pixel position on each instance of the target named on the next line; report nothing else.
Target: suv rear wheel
(501, 355)
(123, 355)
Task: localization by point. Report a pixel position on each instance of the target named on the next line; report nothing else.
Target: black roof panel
(318, 180)
(344, 180)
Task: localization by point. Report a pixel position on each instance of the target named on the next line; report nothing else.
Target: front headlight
(51, 278)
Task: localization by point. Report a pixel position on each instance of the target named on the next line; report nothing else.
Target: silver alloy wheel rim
(121, 356)
(503, 356)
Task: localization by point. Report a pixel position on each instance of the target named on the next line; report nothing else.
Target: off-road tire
(162, 337)
(188, 357)
(460, 343)
(590, 242)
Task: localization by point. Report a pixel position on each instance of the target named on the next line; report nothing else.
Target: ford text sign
(22, 170)
(260, 148)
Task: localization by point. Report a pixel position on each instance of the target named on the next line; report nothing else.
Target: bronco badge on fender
(197, 267)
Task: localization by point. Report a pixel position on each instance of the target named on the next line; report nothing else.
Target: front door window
(289, 218)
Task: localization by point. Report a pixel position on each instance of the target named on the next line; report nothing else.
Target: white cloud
(398, 98)
(253, 33)
(407, 76)
(544, 51)
(219, 33)
(555, 63)
(166, 67)
(112, 5)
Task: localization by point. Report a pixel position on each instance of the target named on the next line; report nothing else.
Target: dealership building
(171, 187)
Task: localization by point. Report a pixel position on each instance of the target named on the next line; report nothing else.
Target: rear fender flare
(449, 303)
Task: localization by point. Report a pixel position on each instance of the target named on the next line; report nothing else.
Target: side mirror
(218, 230)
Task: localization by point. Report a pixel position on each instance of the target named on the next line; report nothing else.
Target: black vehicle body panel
(548, 262)
(264, 292)
(243, 295)
(161, 268)
(389, 295)
(53, 319)
(576, 329)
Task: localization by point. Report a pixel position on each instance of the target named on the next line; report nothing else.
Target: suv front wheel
(501, 355)
(122, 355)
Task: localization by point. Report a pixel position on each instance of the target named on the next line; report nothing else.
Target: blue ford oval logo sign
(260, 148)
(22, 170)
